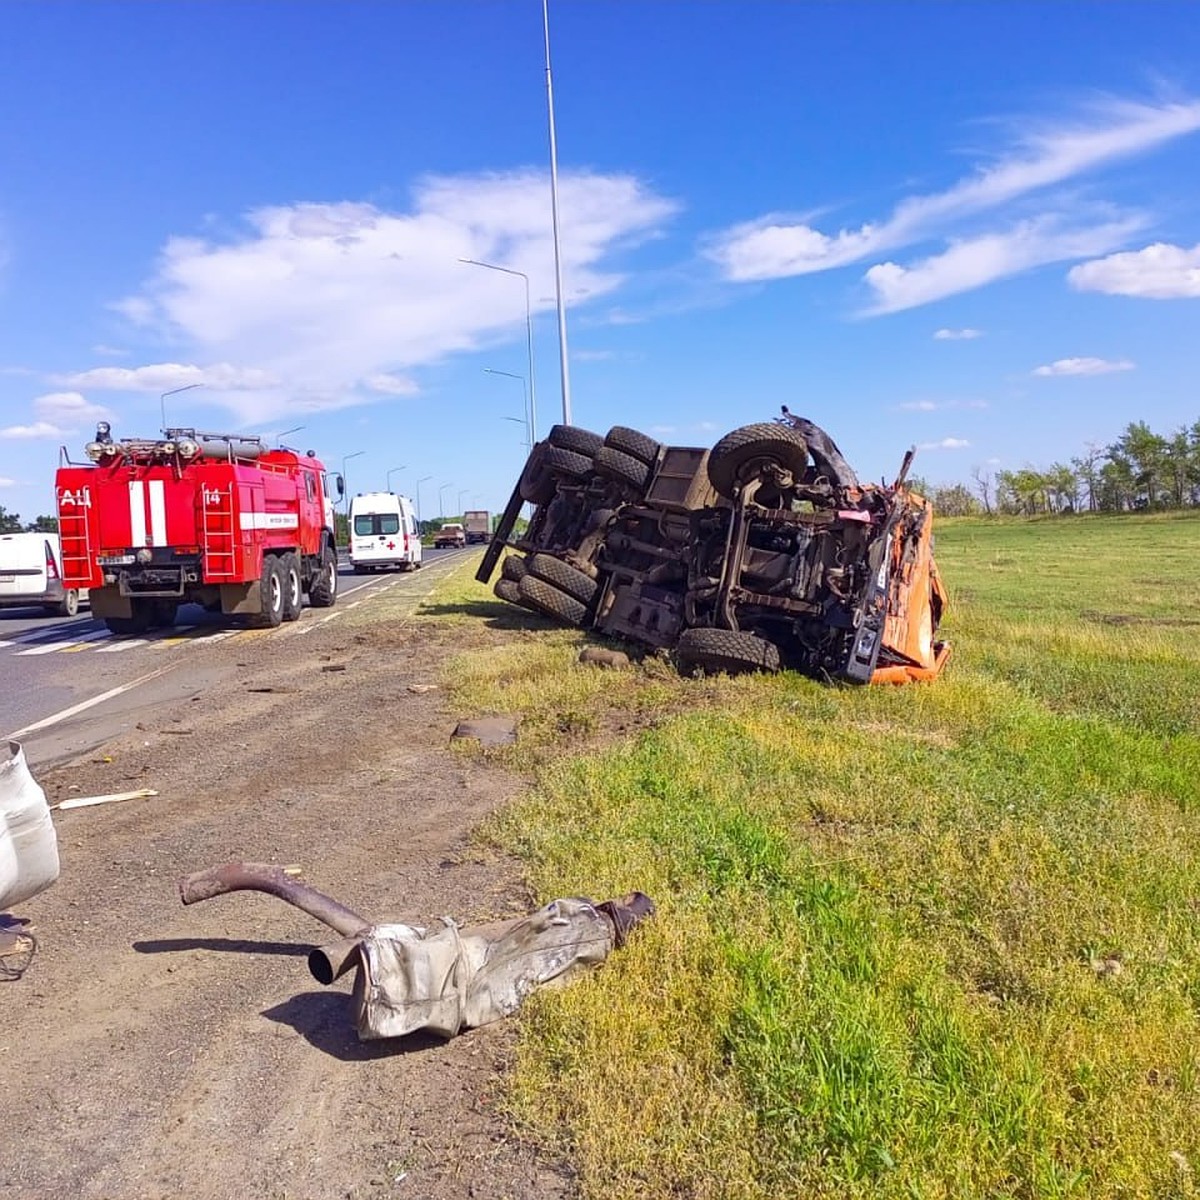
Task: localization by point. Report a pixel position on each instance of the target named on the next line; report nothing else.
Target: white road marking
(125, 644)
(51, 647)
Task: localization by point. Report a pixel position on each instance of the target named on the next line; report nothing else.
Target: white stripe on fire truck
(253, 520)
(158, 513)
(137, 513)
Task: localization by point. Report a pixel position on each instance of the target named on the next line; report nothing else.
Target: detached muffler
(449, 979)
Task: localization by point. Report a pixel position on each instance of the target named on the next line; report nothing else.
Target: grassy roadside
(934, 941)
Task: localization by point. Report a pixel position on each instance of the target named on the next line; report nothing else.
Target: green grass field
(932, 941)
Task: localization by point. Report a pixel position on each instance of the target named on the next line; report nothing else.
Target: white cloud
(973, 262)
(164, 377)
(109, 351)
(1159, 272)
(5, 482)
(387, 384)
(69, 409)
(957, 335)
(593, 355)
(919, 406)
(940, 405)
(662, 430)
(323, 298)
(947, 443)
(39, 429)
(774, 247)
(1084, 366)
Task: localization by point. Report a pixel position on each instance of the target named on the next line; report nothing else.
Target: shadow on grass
(497, 613)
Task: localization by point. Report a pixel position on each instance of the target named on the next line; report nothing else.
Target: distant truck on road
(450, 537)
(478, 525)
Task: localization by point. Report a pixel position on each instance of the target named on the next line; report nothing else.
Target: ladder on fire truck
(74, 542)
(218, 536)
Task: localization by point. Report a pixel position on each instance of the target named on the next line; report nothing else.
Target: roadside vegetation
(933, 941)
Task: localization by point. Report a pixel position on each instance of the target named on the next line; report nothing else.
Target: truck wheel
(293, 590)
(564, 577)
(68, 606)
(741, 455)
(513, 567)
(636, 445)
(322, 592)
(507, 589)
(137, 622)
(567, 463)
(571, 437)
(271, 591)
(733, 652)
(545, 598)
(163, 613)
(623, 468)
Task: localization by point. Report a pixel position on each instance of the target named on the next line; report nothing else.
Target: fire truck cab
(214, 519)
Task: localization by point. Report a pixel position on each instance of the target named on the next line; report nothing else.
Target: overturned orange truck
(765, 552)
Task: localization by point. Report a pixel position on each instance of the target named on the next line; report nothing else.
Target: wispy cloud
(973, 262)
(946, 443)
(39, 429)
(775, 247)
(57, 414)
(1159, 272)
(957, 335)
(593, 355)
(940, 405)
(1084, 366)
(313, 302)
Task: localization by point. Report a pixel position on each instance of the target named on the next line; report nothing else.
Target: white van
(31, 574)
(383, 533)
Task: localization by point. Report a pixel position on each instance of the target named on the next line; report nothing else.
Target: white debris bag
(28, 844)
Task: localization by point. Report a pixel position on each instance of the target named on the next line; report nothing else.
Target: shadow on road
(226, 945)
(325, 1020)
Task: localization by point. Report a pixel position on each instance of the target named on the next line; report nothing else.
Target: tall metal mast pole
(562, 316)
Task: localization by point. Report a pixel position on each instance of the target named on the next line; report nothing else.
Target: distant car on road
(31, 574)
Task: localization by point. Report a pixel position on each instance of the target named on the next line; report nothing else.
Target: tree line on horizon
(1141, 470)
(11, 522)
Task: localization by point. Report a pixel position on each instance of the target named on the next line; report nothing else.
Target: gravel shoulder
(154, 1050)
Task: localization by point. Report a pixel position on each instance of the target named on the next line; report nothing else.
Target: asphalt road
(51, 665)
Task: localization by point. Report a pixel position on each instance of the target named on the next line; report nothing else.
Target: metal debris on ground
(445, 980)
(489, 731)
(112, 798)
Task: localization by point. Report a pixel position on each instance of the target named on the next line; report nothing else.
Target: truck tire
(636, 445)
(622, 468)
(271, 591)
(507, 589)
(571, 437)
(293, 589)
(137, 622)
(733, 652)
(563, 576)
(535, 486)
(513, 567)
(322, 592)
(739, 456)
(163, 613)
(545, 598)
(566, 463)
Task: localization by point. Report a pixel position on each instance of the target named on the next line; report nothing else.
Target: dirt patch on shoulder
(155, 1050)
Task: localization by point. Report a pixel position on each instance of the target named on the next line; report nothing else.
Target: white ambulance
(383, 533)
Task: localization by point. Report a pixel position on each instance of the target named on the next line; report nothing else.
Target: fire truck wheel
(271, 589)
(323, 590)
(293, 591)
(137, 623)
(163, 613)
(725, 650)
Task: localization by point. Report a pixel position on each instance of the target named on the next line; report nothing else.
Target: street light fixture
(474, 262)
(441, 504)
(162, 400)
(391, 472)
(345, 459)
(294, 429)
(423, 479)
(510, 375)
(520, 421)
(461, 494)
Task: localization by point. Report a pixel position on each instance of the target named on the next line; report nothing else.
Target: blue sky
(970, 227)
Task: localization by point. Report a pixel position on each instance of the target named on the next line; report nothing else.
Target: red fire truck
(215, 519)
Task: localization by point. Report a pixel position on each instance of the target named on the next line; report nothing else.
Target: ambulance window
(389, 523)
(363, 525)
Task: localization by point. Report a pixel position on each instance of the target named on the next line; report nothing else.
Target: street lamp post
(423, 479)
(461, 494)
(562, 316)
(441, 503)
(345, 459)
(162, 400)
(391, 472)
(520, 421)
(529, 431)
(474, 262)
(294, 429)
